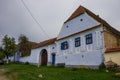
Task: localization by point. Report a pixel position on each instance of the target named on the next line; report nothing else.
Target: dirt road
(2, 77)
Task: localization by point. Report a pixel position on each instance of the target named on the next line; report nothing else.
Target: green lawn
(28, 72)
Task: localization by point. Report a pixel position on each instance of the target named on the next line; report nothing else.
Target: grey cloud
(15, 19)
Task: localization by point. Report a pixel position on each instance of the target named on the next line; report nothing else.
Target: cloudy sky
(50, 14)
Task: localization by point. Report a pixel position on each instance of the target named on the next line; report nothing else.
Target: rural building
(84, 39)
(113, 54)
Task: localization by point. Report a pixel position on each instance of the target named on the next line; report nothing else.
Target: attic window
(53, 47)
(67, 26)
(81, 20)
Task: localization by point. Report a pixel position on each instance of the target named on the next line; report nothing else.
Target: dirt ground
(2, 77)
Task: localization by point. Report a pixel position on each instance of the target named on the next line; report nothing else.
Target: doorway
(53, 58)
(44, 57)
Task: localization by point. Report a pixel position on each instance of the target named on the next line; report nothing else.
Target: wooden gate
(44, 57)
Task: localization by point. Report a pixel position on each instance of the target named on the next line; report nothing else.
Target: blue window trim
(64, 45)
(77, 42)
(89, 38)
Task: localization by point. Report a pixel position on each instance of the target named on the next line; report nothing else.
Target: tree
(24, 46)
(8, 46)
(2, 55)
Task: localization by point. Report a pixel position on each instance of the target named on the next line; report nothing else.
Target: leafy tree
(24, 46)
(1, 53)
(8, 46)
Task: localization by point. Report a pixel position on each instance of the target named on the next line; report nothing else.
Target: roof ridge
(45, 42)
(80, 10)
(113, 49)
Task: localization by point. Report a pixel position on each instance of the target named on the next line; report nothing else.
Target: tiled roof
(78, 12)
(82, 10)
(114, 49)
(33, 44)
(45, 43)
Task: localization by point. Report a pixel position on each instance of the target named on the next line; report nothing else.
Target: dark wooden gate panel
(44, 58)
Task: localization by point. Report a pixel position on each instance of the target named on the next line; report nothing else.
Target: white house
(82, 40)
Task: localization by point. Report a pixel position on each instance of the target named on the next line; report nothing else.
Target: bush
(113, 68)
(27, 63)
(61, 65)
(74, 69)
(2, 55)
(102, 66)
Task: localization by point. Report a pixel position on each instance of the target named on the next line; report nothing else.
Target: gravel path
(2, 77)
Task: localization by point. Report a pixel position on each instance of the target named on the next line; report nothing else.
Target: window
(53, 47)
(64, 45)
(81, 19)
(67, 26)
(77, 42)
(89, 38)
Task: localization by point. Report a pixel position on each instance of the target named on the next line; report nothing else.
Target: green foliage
(24, 46)
(102, 66)
(74, 69)
(2, 55)
(113, 68)
(28, 72)
(27, 63)
(9, 46)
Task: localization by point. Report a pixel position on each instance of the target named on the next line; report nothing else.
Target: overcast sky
(16, 20)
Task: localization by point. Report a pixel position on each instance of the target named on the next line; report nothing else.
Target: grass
(29, 72)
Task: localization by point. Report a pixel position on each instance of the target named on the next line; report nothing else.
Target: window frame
(89, 38)
(64, 45)
(78, 42)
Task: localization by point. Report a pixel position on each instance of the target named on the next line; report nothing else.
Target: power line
(34, 18)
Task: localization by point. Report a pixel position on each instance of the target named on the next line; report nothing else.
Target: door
(44, 57)
(53, 59)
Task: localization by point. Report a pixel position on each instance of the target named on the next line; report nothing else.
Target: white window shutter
(83, 43)
(98, 40)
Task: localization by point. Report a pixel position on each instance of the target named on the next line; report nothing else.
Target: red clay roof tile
(114, 49)
(45, 43)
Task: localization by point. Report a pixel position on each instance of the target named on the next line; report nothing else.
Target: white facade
(35, 56)
(91, 54)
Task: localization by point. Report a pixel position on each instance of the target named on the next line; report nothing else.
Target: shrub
(27, 63)
(61, 65)
(74, 69)
(102, 66)
(111, 66)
